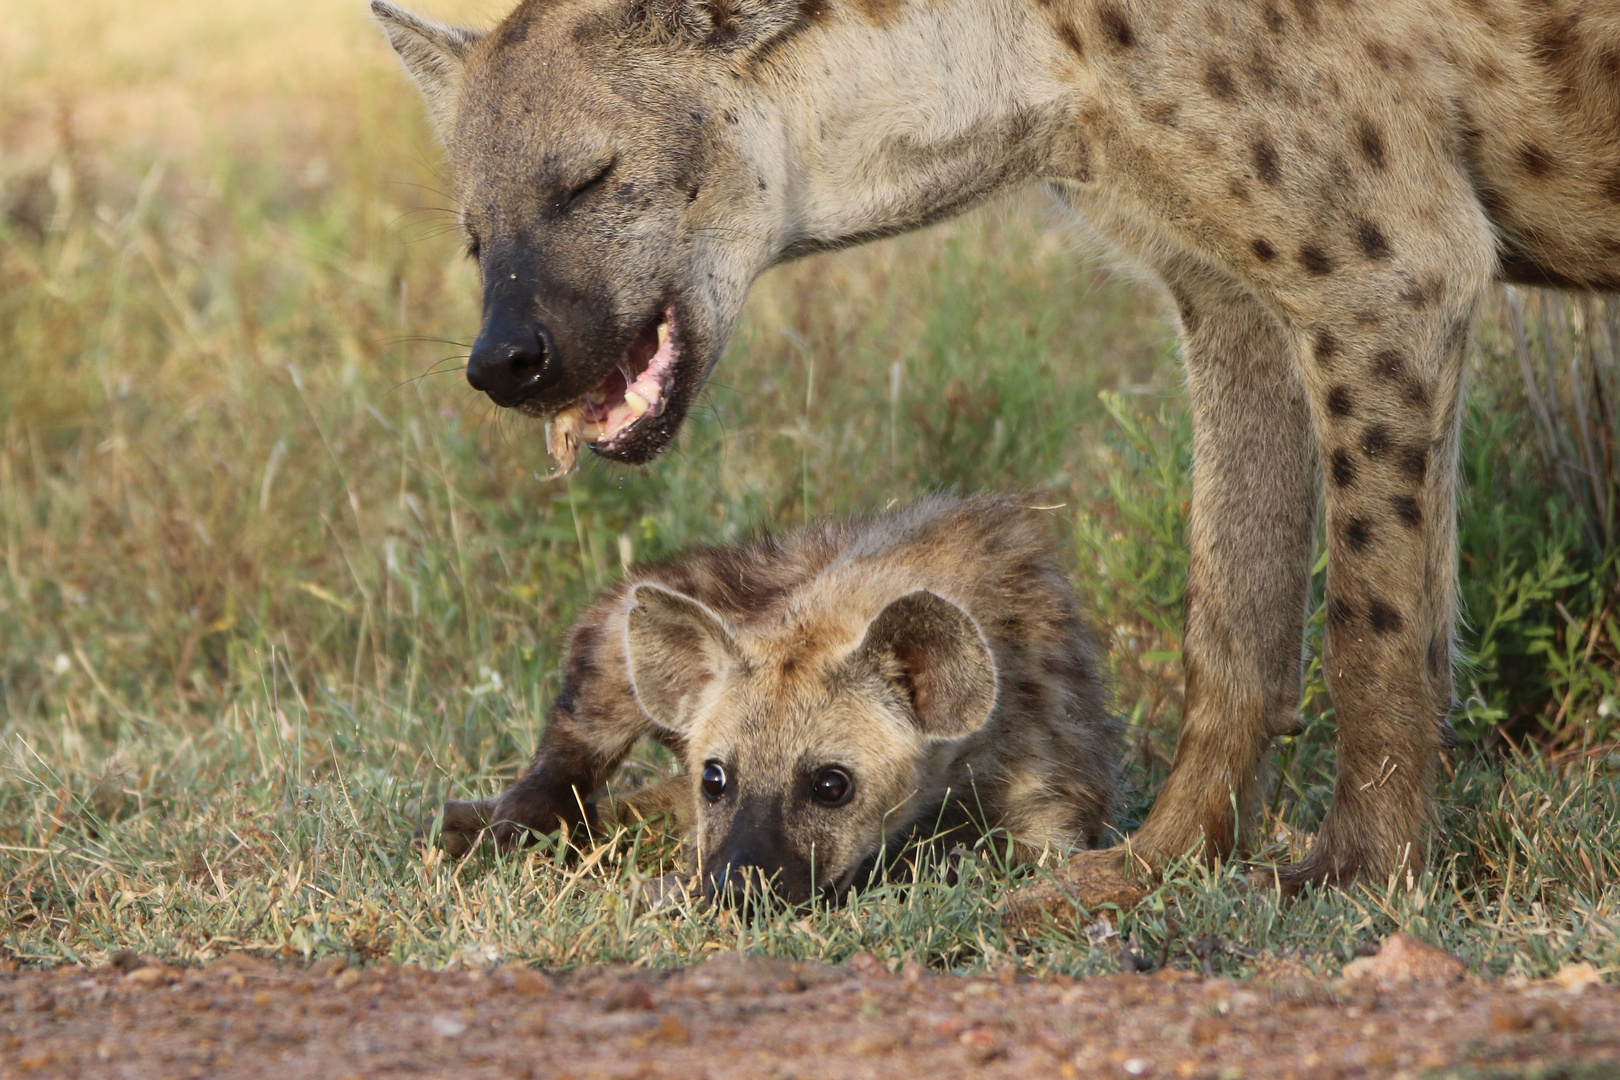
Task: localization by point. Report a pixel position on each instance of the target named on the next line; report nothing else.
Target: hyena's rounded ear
(434, 56)
(676, 648)
(934, 653)
(727, 25)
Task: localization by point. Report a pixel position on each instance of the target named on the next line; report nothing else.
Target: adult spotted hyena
(1324, 187)
(831, 690)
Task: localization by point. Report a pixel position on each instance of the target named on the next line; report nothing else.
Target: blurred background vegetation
(276, 580)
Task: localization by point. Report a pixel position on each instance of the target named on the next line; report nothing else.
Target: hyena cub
(832, 690)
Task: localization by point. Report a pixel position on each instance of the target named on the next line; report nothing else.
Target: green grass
(276, 581)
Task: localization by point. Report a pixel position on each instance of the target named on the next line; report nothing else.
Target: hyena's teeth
(663, 335)
(638, 404)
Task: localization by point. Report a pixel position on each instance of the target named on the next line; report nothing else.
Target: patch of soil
(764, 1019)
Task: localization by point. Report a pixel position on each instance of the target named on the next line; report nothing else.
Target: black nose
(512, 360)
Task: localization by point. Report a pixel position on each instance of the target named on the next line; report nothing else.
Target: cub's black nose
(512, 360)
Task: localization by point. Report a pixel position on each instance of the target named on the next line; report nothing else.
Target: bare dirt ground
(760, 1018)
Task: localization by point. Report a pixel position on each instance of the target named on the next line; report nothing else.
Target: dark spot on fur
(1218, 81)
(1379, 53)
(1414, 462)
(1389, 365)
(1263, 250)
(1339, 402)
(1375, 441)
(1408, 510)
(1439, 660)
(1189, 317)
(1342, 469)
(1536, 159)
(1071, 38)
(1263, 71)
(1611, 186)
(1371, 141)
(1422, 292)
(1315, 260)
(1417, 393)
(1265, 161)
(1384, 619)
(1373, 243)
(1276, 21)
(1162, 112)
(1307, 12)
(1358, 534)
(1116, 25)
(1555, 40)
(1326, 347)
(515, 31)
(1340, 612)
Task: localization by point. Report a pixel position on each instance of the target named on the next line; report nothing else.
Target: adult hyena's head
(618, 192)
(814, 740)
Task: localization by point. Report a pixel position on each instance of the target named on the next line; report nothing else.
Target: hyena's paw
(1326, 867)
(523, 813)
(1088, 881)
(464, 825)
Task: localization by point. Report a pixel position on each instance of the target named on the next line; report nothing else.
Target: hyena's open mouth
(619, 410)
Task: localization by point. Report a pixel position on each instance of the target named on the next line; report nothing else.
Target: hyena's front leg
(593, 724)
(567, 768)
(1385, 396)
(1252, 529)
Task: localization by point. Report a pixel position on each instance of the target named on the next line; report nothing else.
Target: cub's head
(619, 192)
(808, 746)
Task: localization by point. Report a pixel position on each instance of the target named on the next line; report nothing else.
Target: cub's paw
(1088, 881)
(463, 826)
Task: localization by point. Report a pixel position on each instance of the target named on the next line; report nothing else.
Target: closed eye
(588, 186)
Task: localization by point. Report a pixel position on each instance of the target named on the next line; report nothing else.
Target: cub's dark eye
(714, 780)
(588, 186)
(832, 787)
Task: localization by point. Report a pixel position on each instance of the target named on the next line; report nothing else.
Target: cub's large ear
(728, 25)
(933, 651)
(434, 56)
(676, 647)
